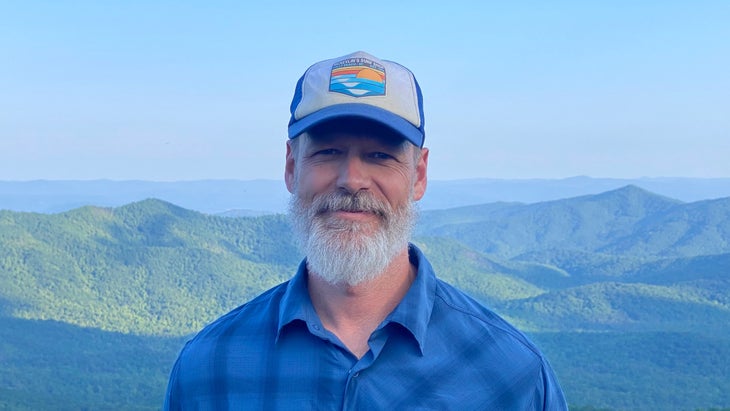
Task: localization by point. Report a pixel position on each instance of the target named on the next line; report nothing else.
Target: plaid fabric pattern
(439, 349)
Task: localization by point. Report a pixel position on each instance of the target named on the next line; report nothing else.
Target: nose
(353, 175)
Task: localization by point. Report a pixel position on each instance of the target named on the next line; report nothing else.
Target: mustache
(361, 201)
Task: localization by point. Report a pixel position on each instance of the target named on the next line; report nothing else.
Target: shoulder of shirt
(462, 303)
(255, 310)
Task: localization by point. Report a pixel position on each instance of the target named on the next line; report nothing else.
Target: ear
(289, 168)
(419, 186)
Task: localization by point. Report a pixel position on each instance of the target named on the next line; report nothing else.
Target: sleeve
(172, 395)
(553, 398)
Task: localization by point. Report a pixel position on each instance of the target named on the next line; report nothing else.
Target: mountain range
(257, 197)
(622, 289)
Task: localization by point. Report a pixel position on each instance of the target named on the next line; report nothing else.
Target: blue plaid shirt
(438, 350)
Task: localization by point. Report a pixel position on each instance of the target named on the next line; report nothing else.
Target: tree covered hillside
(629, 222)
(145, 268)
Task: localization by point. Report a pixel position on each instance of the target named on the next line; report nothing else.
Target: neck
(352, 313)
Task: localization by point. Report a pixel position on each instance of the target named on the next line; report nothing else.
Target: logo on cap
(358, 77)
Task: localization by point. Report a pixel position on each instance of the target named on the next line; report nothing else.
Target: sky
(190, 90)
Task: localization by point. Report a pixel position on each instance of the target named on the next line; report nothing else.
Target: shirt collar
(295, 303)
(413, 312)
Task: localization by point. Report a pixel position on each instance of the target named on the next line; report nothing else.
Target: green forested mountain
(52, 365)
(622, 290)
(627, 222)
(145, 268)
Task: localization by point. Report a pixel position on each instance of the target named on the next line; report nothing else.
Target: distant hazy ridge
(270, 196)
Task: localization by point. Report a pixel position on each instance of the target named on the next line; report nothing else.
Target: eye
(379, 155)
(326, 152)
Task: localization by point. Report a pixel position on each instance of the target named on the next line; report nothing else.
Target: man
(364, 324)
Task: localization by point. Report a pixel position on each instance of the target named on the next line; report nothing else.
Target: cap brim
(365, 111)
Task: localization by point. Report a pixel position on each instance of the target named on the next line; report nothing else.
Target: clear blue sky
(185, 90)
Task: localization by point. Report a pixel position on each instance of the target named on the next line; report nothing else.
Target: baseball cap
(360, 86)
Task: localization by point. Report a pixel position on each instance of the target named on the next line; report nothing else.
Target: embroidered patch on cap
(358, 77)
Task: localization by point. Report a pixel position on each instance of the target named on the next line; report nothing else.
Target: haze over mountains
(256, 197)
(627, 291)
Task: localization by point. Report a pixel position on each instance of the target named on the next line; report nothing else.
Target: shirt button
(355, 375)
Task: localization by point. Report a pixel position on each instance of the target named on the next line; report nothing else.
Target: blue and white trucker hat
(362, 86)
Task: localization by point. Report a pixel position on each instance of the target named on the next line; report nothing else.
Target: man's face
(352, 202)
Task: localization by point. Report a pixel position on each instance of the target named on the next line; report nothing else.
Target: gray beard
(345, 252)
